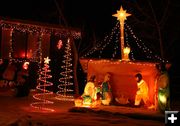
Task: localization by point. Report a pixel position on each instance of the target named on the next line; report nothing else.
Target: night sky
(94, 17)
(80, 13)
(93, 14)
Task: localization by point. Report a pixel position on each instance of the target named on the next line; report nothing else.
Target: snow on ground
(17, 112)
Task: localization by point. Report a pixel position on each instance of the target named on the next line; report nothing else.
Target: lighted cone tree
(66, 86)
(44, 94)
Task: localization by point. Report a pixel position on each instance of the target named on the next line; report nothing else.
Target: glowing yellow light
(78, 102)
(163, 99)
(46, 60)
(121, 14)
(127, 50)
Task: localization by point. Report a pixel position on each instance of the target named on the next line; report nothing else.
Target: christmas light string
(37, 54)
(148, 55)
(117, 62)
(34, 57)
(11, 45)
(65, 86)
(116, 44)
(102, 44)
(11, 52)
(97, 46)
(106, 44)
(112, 38)
(35, 29)
(41, 87)
(108, 41)
(24, 27)
(40, 48)
(141, 45)
(128, 44)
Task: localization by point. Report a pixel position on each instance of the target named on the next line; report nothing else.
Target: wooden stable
(123, 81)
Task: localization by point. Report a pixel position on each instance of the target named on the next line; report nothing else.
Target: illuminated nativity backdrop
(112, 63)
(116, 55)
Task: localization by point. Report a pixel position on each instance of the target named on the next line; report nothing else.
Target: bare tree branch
(158, 29)
(61, 15)
(165, 14)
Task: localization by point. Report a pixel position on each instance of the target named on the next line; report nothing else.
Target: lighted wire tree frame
(43, 94)
(65, 92)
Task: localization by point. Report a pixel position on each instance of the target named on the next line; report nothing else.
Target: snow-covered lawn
(17, 112)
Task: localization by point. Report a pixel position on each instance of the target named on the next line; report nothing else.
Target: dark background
(94, 18)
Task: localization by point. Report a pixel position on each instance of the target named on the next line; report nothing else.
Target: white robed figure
(90, 93)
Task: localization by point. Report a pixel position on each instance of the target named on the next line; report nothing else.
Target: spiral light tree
(66, 91)
(44, 93)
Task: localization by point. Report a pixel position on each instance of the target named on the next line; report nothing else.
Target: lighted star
(46, 60)
(121, 14)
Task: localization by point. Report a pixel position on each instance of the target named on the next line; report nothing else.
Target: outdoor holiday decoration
(25, 65)
(79, 102)
(35, 37)
(113, 39)
(24, 26)
(66, 86)
(121, 16)
(142, 46)
(126, 52)
(123, 83)
(43, 95)
(60, 44)
(163, 91)
(104, 43)
(124, 88)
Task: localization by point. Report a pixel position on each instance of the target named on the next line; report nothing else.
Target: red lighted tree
(43, 93)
